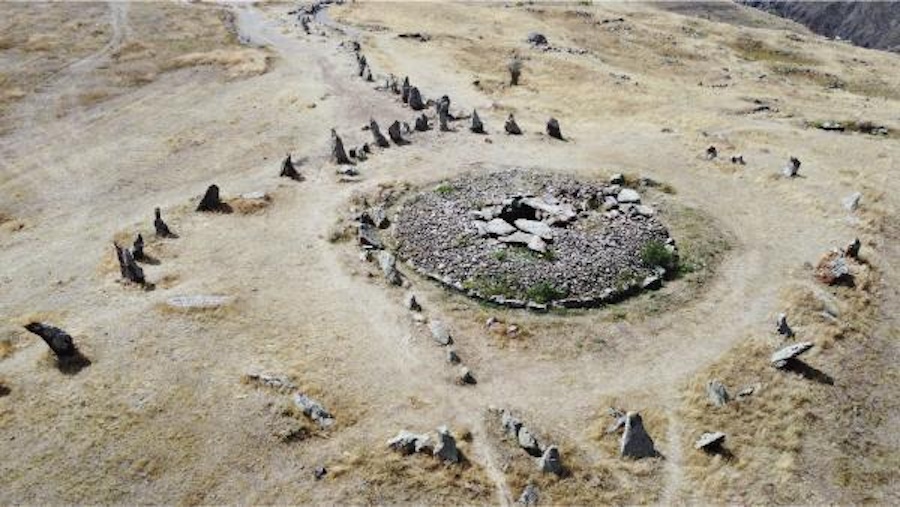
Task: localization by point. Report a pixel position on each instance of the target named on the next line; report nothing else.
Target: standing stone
(466, 377)
(394, 133)
(162, 229)
(453, 357)
(512, 127)
(443, 105)
(388, 264)
(404, 90)
(380, 140)
(550, 462)
(443, 117)
(59, 341)
(781, 325)
(851, 202)
(711, 153)
(411, 303)
(128, 267)
(415, 99)
(636, 443)
(211, 201)
(793, 168)
(338, 155)
(852, 250)
(781, 358)
(477, 127)
(362, 64)
(367, 74)
(553, 129)
(446, 447)
(137, 248)
(530, 495)
(368, 237)
(288, 170)
(422, 123)
(717, 393)
(528, 442)
(440, 333)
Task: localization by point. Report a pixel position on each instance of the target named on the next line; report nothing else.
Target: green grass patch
(758, 51)
(545, 292)
(655, 254)
(444, 189)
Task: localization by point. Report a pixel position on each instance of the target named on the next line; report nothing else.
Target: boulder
(338, 155)
(710, 441)
(536, 39)
(404, 90)
(792, 170)
(628, 196)
(411, 303)
(781, 358)
(553, 129)
(388, 263)
(408, 443)
(314, 410)
(422, 123)
(550, 462)
(395, 134)
(288, 170)
(782, 327)
(539, 229)
(380, 140)
(415, 99)
(59, 341)
(477, 127)
(636, 443)
(851, 202)
(440, 333)
(211, 201)
(162, 229)
(511, 127)
(446, 447)
(528, 442)
(499, 227)
(530, 495)
(465, 377)
(717, 393)
(368, 237)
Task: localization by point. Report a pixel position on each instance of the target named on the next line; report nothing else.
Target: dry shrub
(7, 348)
(236, 62)
(246, 206)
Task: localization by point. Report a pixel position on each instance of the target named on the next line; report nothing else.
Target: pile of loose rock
(520, 239)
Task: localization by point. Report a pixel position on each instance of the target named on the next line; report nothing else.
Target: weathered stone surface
(59, 341)
(422, 123)
(530, 495)
(465, 377)
(717, 393)
(314, 410)
(553, 129)
(528, 442)
(628, 196)
(415, 99)
(440, 333)
(710, 441)
(782, 327)
(411, 303)
(499, 227)
(636, 443)
(378, 137)
(780, 358)
(535, 227)
(128, 267)
(198, 302)
(792, 170)
(338, 155)
(368, 237)
(162, 229)
(550, 462)
(395, 134)
(388, 263)
(211, 201)
(851, 202)
(511, 127)
(446, 447)
(407, 443)
(477, 127)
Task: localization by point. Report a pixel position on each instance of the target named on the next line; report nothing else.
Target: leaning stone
(499, 227)
(407, 443)
(528, 442)
(782, 327)
(314, 410)
(411, 303)
(440, 333)
(529, 495)
(550, 462)
(59, 341)
(388, 263)
(422, 123)
(628, 196)
(710, 441)
(211, 201)
(780, 359)
(553, 129)
(394, 133)
(198, 302)
(717, 393)
(851, 202)
(380, 140)
(338, 155)
(792, 169)
(415, 99)
(288, 170)
(477, 127)
(446, 447)
(368, 237)
(465, 377)
(534, 227)
(636, 443)
(511, 127)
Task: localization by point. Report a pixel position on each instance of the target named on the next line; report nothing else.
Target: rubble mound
(525, 239)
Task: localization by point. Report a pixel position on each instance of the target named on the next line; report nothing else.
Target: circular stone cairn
(525, 239)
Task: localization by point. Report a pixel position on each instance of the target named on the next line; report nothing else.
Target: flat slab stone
(780, 358)
(518, 238)
(499, 227)
(539, 229)
(628, 196)
(710, 440)
(198, 301)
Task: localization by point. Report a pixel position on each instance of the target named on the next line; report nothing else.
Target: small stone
(411, 303)
(792, 170)
(314, 410)
(379, 138)
(550, 462)
(422, 123)
(477, 127)
(717, 393)
(499, 227)
(517, 238)
(711, 153)
(529, 495)
(395, 134)
(368, 237)
(211, 201)
(453, 357)
(780, 358)
(782, 327)
(407, 443)
(636, 443)
(388, 263)
(852, 249)
(338, 155)
(710, 441)
(528, 442)
(511, 424)
(320, 473)
(415, 99)
(440, 333)
(511, 127)
(288, 170)
(851, 202)
(644, 210)
(628, 196)
(617, 179)
(59, 341)
(466, 377)
(162, 229)
(446, 448)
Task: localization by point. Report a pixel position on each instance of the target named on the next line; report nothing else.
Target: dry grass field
(110, 110)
